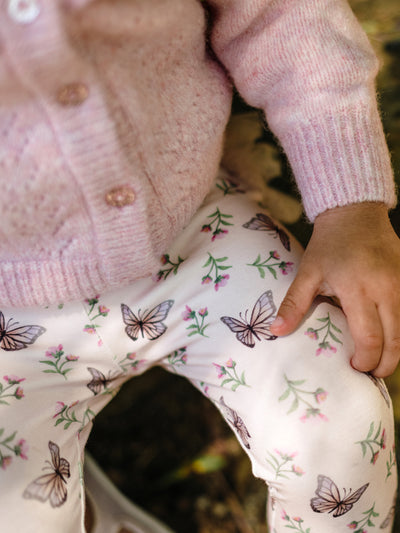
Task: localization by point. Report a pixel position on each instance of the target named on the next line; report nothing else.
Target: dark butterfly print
(260, 321)
(237, 422)
(378, 382)
(14, 337)
(99, 382)
(52, 486)
(263, 222)
(329, 500)
(149, 323)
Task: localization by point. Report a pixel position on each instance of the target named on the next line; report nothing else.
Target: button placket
(23, 11)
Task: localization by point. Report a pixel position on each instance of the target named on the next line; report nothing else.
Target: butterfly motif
(149, 323)
(14, 337)
(329, 500)
(237, 422)
(262, 222)
(99, 382)
(51, 486)
(381, 386)
(261, 319)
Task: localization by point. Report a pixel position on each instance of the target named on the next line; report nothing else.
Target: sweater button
(23, 11)
(72, 94)
(120, 196)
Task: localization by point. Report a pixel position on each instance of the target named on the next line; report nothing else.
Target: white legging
(318, 432)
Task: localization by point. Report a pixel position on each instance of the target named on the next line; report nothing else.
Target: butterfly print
(261, 319)
(381, 386)
(14, 337)
(149, 323)
(329, 500)
(99, 381)
(52, 486)
(234, 419)
(263, 222)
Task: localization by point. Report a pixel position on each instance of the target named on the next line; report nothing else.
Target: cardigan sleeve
(309, 65)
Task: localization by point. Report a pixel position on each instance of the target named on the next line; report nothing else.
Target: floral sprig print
(214, 226)
(8, 450)
(299, 398)
(295, 523)
(359, 526)
(374, 442)
(177, 358)
(57, 360)
(282, 464)
(327, 330)
(93, 313)
(11, 389)
(228, 187)
(129, 362)
(171, 267)
(273, 264)
(66, 414)
(214, 272)
(391, 463)
(229, 375)
(198, 327)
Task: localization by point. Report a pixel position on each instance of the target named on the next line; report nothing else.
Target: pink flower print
(206, 228)
(53, 351)
(298, 519)
(60, 406)
(230, 363)
(187, 313)
(5, 461)
(89, 329)
(320, 395)
(184, 358)
(220, 370)
(326, 349)
(206, 280)
(312, 334)
(352, 525)
(219, 234)
(19, 393)
(103, 310)
(72, 357)
(284, 515)
(222, 281)
(164, 259)
(21, 449)
(131, 355)
(203, 311)
(297, 470)
(286, 267)
(13, 380)
(275, 255)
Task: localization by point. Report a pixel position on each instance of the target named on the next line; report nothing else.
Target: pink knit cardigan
(112, 115)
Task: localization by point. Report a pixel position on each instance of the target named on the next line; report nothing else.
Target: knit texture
(158, 99)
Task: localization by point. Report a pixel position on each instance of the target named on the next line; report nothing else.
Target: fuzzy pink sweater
(112, 115)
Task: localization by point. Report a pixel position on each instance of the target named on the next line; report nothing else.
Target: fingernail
(278, 322)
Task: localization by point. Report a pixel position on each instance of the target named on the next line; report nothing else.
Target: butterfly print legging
(319, 433)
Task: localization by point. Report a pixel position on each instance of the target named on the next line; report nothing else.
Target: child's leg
(319, 433)
(307, 420)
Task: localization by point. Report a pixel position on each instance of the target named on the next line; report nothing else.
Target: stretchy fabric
(318, 432)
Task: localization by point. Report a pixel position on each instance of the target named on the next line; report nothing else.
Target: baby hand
(353, 255)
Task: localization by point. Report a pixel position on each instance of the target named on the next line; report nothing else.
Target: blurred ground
(170, 452)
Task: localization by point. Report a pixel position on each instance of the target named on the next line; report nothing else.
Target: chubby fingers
(296, 303)
(376, 334)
